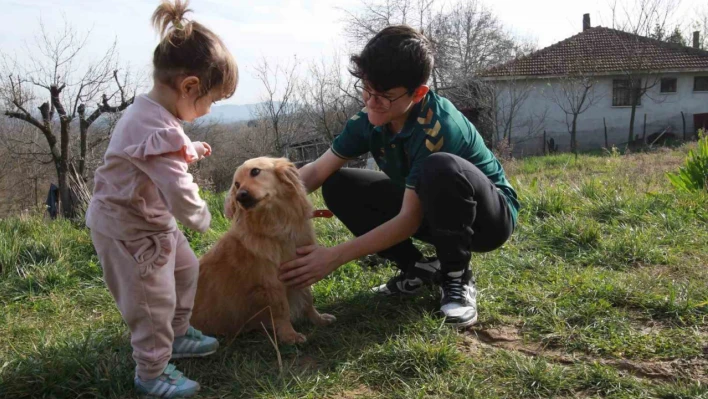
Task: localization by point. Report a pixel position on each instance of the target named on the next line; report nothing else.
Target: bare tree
(675, 37)
(374, 15)
(635, 21)
(327, 103)
(471, 38)
(58, 71)
(574, 94)
(466, 36)
(509, 96)
(23, 170)
(277, 110)
(122, 99)
(700, 24)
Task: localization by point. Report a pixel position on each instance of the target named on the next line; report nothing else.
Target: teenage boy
(439, 182)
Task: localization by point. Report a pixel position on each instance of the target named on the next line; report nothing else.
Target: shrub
(693, 176)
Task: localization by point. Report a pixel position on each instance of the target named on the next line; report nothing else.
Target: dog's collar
(319, 213)
(322, 213)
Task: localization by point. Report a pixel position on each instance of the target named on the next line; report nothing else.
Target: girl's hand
(203, 149)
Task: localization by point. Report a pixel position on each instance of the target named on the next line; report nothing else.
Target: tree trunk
(508, 133)
(83, 130)
(495, 137)
(278, 144)
(644, 133)
(631, 123)
(545, 144)
(573, 135)
(67, 205)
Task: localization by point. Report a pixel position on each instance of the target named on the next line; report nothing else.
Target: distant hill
(226, 113)
(229, 113)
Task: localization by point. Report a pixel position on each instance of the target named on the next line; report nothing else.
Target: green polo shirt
(434, 125)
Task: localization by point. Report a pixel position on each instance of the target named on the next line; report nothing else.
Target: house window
(622, 93)
(700, 83)
(668, 85)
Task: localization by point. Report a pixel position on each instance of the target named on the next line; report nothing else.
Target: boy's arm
(314, 174)
(402, 226)
(316, 262)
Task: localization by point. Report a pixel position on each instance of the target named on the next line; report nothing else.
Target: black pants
(463, 212)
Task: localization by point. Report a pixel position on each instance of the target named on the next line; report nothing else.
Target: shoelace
(453, 289)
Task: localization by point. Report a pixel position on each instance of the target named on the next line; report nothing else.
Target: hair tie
(177, 23)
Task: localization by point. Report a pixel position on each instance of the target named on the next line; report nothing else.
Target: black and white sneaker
(412, 281)
(459, 300)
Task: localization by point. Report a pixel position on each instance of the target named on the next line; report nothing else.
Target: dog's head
(261, 183)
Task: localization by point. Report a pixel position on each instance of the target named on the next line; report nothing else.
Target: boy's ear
(420, 92)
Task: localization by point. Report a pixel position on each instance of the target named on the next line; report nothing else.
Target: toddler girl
(144, 185)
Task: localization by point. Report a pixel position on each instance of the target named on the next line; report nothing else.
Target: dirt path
(509, 338)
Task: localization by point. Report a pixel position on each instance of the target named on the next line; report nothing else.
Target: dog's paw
(293, 339)
(326, 319)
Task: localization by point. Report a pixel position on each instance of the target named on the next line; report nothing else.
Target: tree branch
(120, 88)
(27, 118)
(56, 101)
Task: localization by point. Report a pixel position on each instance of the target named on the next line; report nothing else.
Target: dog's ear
(230, 206)
(288, 174)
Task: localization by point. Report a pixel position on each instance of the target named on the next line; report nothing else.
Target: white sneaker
(459, 300)
(410, 282)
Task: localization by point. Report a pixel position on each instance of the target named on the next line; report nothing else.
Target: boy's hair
(398, 56)
(188, 48)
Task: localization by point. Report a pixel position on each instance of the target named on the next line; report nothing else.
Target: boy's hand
(312, 265)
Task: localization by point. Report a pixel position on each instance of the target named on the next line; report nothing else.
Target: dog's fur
(238, 285)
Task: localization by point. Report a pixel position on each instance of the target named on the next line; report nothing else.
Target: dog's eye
(237, 185)
(255, 172)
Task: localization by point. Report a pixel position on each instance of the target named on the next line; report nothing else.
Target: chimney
(696, 39)
(586, 22)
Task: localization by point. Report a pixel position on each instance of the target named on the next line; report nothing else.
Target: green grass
(607, 266)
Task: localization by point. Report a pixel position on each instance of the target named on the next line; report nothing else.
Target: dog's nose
(243, 195)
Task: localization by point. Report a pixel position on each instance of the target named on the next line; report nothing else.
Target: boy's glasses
(383, 101)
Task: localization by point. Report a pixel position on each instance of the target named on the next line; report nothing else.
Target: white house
(596, 74)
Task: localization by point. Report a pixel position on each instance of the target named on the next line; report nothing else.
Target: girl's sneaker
(193, 344)
(170, 384)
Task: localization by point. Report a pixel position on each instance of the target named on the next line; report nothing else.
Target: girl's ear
(189, 86)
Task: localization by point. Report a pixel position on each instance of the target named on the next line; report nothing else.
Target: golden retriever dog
(238, 285)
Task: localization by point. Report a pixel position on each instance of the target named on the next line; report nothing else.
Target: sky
(278, 30)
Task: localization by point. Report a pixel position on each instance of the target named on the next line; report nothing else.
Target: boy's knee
(437, 170)
(332, 189)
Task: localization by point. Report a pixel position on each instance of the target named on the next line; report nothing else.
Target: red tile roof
(603, 50)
